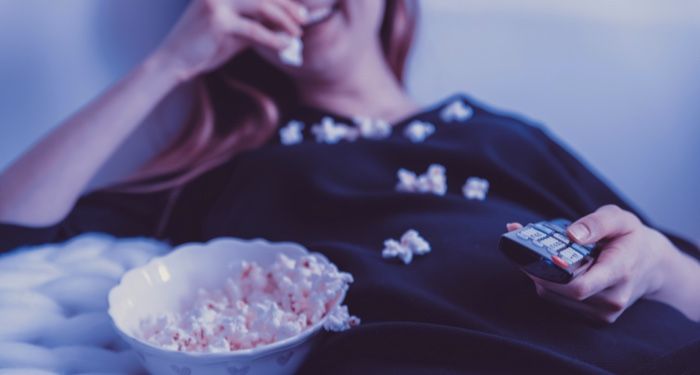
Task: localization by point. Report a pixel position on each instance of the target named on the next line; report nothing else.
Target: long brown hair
(239, 107)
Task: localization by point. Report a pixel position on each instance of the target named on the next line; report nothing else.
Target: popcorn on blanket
(456, 111)
(434, 181)
(292, 133)
(475, 188)
(417, 131)
(411, 244)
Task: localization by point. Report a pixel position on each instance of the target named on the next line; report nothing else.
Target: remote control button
(530, 233)
(560, 262)
(561, 223)
(581, 249)
(570, 255)
(543, 228)
(556, 228)
(552, 244)
(562, 237)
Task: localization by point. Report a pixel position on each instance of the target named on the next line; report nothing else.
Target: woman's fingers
(582, 308)
(255, 32)
(606, 222)
(272, 13)
(609, 269)
(279, 15)
(605, 307)
(249, 23)
(295, 10)
(613, 300)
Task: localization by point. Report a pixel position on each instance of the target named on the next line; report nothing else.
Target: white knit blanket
(53, 306)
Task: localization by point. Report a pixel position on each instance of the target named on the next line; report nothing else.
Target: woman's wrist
(680, 282)
(164, 70)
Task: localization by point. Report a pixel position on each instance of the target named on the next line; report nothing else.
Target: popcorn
(255, 307)
(411, 244)
(330, 132)
(407, 180)
(372, 128)
(293, 53)
(433, 181)
(291, 134)
(340, 320)
(417, 131)
(456, 111)
(394, 249)
(475, 188)
(413, 241)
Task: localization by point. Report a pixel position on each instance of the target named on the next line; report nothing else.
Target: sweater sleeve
(119, 214)
(598, 192)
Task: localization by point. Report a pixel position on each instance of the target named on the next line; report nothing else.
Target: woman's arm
(42, 186)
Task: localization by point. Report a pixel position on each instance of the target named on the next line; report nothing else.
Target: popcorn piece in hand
(291, 134)
(371, 128)
(475, 188)
(293, 54)
(456, 111)
(411, 244)
(417, 131)
(330, 132)
(433, 181)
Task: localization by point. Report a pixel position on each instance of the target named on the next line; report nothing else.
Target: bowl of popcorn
(230, 306)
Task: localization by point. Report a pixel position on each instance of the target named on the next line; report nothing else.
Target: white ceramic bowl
(166, 283)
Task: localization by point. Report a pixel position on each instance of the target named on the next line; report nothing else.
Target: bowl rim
(242, 354)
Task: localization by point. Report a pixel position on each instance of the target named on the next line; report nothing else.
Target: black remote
(544, 250)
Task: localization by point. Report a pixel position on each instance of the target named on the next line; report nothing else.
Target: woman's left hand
(635, 262)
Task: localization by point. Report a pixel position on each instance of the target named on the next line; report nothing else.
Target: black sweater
(461, 308)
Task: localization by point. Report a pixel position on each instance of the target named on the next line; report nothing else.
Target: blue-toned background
(617, 81)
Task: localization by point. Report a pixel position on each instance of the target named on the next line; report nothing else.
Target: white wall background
(619, 81)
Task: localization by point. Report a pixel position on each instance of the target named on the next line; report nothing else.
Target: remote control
(544, 250)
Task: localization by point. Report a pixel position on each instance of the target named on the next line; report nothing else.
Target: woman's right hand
(212, 31)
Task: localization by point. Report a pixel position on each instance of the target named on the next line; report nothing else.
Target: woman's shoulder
(463, 108)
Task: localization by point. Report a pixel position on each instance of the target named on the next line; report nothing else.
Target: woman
(331, 187)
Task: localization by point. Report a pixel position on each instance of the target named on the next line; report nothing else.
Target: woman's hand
(635, 262)
(212, 31)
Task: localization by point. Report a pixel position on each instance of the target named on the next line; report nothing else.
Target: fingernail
(579, 232)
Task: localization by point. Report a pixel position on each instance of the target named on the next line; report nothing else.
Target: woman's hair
(239, 106)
